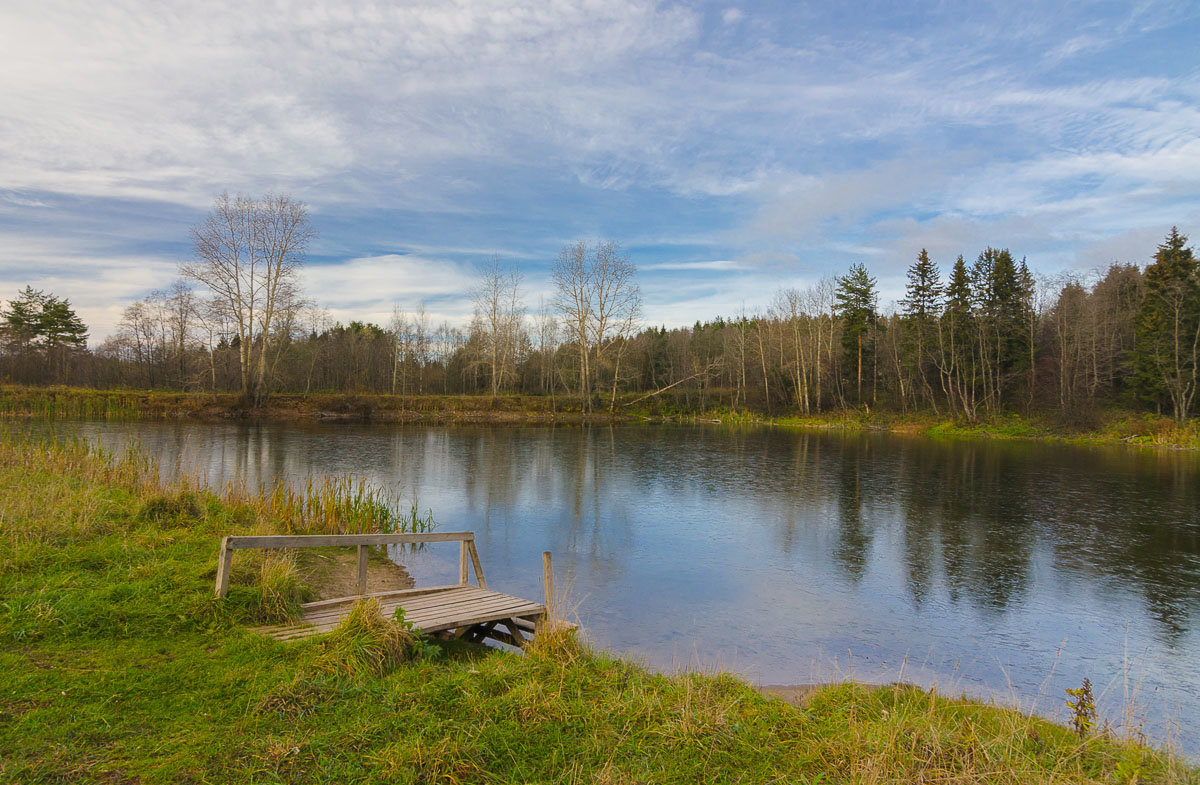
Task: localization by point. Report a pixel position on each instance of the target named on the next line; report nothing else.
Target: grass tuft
(366, 643)
(181, 506)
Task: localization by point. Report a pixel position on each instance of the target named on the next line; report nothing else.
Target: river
(1000, 569)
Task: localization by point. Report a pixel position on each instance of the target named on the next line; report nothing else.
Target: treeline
(980, 338)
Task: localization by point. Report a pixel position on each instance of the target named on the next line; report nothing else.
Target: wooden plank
(518, 606)
(470, 545)
(436, 599)
(420, 601)
(515, 630)
(503, 637)
(441, 604)
(495, 609)
(479, 619)
(462, 563)
(433, 606)
(378, 595)
(362, 569)
(436, 626)
(481, 632)
(335, 540)
(224, 565)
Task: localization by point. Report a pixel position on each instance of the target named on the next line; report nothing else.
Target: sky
(731, 149)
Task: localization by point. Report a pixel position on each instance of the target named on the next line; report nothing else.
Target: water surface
(994, 568)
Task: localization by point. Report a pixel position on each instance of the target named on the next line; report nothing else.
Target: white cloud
(367, 288)
(818, 140)
(98, 285)
(717, 265)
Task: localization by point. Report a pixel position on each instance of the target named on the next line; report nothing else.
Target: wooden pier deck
(460, 610)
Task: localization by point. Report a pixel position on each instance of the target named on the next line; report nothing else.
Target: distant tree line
(983, 338)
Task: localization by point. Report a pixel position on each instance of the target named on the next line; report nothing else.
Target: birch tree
(600, 302)
(248, 252)
(500, 313)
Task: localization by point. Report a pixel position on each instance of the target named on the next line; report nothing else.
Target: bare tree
(572, 278)
(547, 338)
(500, 315)
(248, 252)
(600, 302)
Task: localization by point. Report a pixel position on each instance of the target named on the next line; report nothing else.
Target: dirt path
(333, 572)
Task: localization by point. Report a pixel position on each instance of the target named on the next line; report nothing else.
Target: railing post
(224, 564)
(475, 562)
(462, 563)
(548, 580)
(362, 569)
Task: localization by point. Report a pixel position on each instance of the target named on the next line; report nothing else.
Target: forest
(983, 337)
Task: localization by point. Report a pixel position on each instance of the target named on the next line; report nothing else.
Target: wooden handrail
(231, 543)
(334, 540)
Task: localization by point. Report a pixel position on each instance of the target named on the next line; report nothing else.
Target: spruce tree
(1167, 344)
(956, 340)
(856, 307)
(922, 305)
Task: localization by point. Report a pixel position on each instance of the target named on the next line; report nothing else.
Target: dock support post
(362, 569)
(463, 576)
(224, 564)
(548, 581)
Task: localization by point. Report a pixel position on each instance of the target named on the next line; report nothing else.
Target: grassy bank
(84, 403)
(1114, 426)
(117, 666)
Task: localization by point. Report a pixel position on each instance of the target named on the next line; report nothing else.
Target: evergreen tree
(1167, 344)
(40, 326)
(1001, 302)
(956, 340)
(922, 305)
(855, 305)
(22, 319)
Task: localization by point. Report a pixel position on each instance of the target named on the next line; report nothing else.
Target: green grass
(118, 666)
(1112, 427)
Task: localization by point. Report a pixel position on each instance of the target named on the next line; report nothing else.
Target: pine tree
(856, 306)
(37, 325)
(22, 319)
(1167, 345)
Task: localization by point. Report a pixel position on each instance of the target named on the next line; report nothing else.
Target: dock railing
(468, 557)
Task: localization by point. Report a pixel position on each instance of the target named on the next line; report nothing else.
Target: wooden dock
(460, 610)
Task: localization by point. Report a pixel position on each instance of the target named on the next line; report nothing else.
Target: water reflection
(766, 549)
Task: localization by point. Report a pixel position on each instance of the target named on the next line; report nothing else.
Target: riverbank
(1113, 426)
(117, 665)
(86, 403)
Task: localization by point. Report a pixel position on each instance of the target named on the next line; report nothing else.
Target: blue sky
(730, 148)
